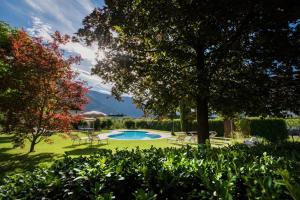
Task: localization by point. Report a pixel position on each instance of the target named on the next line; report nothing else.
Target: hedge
(129, 124)
(236, 172)
(293, 123)
(166, 125)
(273, 130)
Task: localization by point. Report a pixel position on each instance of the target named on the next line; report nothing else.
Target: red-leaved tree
(41, 88)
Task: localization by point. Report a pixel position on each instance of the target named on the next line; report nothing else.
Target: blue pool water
(134, 135)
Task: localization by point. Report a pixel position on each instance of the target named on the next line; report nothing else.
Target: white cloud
(87, 5)
(56, 10)
(40, 29)
(63, 15)
(34, 5)
(93, 81)
(66, 16)
(88, 54)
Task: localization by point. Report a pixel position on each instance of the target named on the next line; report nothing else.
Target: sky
(43, 17)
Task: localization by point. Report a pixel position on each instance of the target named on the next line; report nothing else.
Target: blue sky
(43, 17)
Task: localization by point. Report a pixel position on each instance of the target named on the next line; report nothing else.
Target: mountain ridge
(108, 104)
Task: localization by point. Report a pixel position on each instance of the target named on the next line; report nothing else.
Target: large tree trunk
(202, 95)
(32, 145)
(228, 128)
(202, 120)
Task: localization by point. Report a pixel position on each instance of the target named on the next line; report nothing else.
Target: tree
(185, 112)
(5, 48)
(40, 90)
(97, 124)
(226, 55)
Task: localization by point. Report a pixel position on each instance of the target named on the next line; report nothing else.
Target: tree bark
(228, 128)
(202, 120)
(32, 145)
(202, 94)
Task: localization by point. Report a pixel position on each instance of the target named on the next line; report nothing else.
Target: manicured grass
(17, 159)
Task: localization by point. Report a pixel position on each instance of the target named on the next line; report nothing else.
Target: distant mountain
(109, 105)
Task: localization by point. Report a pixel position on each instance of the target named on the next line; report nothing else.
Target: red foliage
(46, 85)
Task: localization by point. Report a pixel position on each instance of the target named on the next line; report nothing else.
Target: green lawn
(17, 159)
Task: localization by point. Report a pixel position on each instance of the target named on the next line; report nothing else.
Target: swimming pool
(134, 135)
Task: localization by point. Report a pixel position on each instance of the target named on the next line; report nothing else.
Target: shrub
(273, 130)
(218, 126)
(129, 124)
(293, 123)
(97, 124)
(143, 124)
(117, 123)
(166, 125)
(243, 125)
(82, 124)
(106, 123)
(236, 172)
(109, 123)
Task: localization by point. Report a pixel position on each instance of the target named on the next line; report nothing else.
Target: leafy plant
(235, 172)
(293, 123)
(97, 124)
(106, 123)
(274, 130)
(129, 124)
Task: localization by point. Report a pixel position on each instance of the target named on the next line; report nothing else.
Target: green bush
(129, 124)
(117, 123)
(142, 124)
(218, 126)
(293, 123)
(243, 125)
(273, 130)
(82, 123)
(106, 123)
(97, 124)
(236, 172)
(166, 125)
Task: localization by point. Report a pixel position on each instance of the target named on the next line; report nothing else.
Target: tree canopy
(228, 55)
(38, 87)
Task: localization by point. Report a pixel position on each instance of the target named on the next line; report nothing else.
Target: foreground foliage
(237, 172)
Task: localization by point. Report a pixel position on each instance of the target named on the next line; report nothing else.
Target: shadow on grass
(2, 150)
(183, 144)
(75, 145)
(84, 144)
(86, 151)
(12, 163)
(5, 139)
